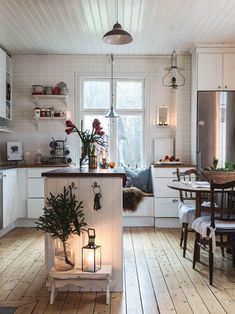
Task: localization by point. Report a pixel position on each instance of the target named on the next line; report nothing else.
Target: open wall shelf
(39, 98)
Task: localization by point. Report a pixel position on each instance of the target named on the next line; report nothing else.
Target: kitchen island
(106, 221)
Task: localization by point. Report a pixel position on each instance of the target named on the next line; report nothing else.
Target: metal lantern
(91, 254)
(173, 78)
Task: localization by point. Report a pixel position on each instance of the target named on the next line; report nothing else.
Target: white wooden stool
(77, 277)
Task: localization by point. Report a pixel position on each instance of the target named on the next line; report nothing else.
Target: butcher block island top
(105, 219)
(85, 172)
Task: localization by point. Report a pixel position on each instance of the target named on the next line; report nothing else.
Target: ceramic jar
(37, 112)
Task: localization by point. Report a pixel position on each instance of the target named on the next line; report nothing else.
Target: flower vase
(93, 162)
(84, 155)
(64, 256)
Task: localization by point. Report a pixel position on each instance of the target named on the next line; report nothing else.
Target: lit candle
(104, 154)
(90, 260)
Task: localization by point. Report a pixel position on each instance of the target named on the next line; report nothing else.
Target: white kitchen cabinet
(35, 207)
(2, 84)
(229, 71)
(216, 71)
(9, 187)
(35, 191)
(166, 200)
(22, 192)
(210, 71)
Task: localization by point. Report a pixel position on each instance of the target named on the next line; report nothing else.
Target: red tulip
(101, 133)
(70, 124)
(96, 124)
(69, 130)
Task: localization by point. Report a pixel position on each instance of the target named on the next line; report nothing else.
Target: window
(125, 134)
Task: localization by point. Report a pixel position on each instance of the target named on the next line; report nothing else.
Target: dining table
(197, 187)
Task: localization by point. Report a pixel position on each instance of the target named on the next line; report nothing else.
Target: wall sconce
(91, 254)
(163, 116)
(173, 77)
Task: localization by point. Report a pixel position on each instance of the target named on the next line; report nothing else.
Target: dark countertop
(6, 167)
(85, 172)
(173, 165)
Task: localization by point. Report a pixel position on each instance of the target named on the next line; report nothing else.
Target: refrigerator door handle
(222, 113)
(199, 159)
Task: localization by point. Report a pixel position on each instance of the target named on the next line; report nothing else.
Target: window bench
(144, 214)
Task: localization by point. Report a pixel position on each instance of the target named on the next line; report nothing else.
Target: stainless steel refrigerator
(215, 128)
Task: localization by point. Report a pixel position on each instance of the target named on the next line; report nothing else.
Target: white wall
(51, 69)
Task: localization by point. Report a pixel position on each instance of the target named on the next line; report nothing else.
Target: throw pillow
(139, 178)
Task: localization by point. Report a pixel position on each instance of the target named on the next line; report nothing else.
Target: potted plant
(89, 139)
(63, 216)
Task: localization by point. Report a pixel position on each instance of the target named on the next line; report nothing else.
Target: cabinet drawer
(158, 172)
(35, 187)
(35, 207)
(36, 172)
(11, 173)
(145, 208)
(162, 190)
(166, 207)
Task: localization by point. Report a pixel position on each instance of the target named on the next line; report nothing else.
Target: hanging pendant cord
(117, 9)
(112, 80)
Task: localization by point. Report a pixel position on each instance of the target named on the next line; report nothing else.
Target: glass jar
(48, 113)
(43, 113)
(64, 256)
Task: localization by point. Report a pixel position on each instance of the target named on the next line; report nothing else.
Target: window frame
(113, 149)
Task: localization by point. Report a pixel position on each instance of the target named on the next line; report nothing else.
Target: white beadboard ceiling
(77, 26)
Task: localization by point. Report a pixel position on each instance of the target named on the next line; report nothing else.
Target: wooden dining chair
(187, 206)
(220, 222)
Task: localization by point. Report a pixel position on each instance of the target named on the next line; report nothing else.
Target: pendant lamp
(173, 77)
(112, 114)
(117, 36)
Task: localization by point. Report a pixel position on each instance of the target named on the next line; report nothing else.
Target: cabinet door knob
(225, 86)
(175, 200)
(219, 87)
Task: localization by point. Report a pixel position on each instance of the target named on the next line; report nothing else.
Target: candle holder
(103, 154)
(91, 254)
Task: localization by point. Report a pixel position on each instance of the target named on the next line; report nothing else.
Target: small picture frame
(14, 151)
(163, 116)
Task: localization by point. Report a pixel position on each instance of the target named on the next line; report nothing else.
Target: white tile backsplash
(51, 69)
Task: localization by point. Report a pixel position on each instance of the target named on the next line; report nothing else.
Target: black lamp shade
(117, 36)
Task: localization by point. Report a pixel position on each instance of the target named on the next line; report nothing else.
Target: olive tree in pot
(63, 216)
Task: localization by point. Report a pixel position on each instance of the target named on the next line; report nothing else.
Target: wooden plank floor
(157, 279)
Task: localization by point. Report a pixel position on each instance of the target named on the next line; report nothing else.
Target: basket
(218, 176)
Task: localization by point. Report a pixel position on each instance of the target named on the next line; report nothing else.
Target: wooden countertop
(85, 172)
